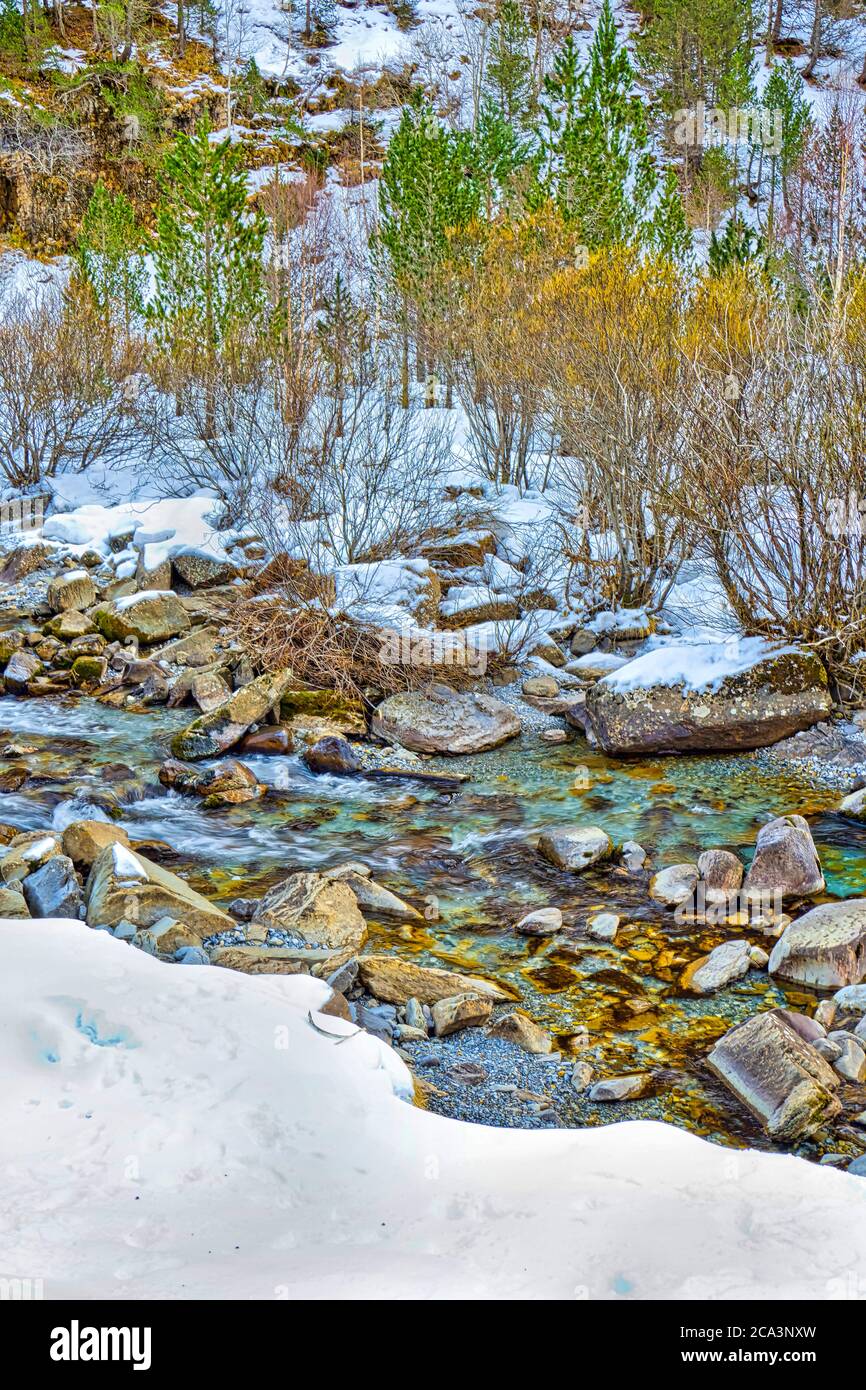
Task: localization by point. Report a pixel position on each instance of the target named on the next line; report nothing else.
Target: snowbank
(172, 1131)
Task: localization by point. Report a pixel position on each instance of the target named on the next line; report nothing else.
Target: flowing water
(467, 859)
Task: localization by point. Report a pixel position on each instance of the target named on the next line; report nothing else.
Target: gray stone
(730, 961)
(544, 921)
(621, 1087)
(826, 947)
(777, 1076)
(674, 884)
(603, 926)
(576, 849)
(851, 1062)
(721, 872)
(54, 890)
(786, 861)
(439, 720)
(852, 999)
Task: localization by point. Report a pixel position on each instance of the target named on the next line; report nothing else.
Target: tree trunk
(181, 29)
(814, 41)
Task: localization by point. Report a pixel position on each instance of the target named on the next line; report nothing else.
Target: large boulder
(439, 720)
(825, 948)
(778, 1076)
(320, 910)
(153, 615)
(221, 728)
(124, 885)
(397, 980)
(786, 861)
(74, 589)
(710, 697)
(575, 849)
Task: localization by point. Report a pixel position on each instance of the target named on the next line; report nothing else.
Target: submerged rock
(767, 695)
(439, 720)
(826, 947)
(221, 728)
(123, 884)
(576, 849)
(786, 860)
(778, 1076)
(544, 921)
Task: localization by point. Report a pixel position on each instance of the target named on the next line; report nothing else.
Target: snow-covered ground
(173, 1131)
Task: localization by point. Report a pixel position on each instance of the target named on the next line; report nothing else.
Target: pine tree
(109, 256)
(738, 244)
(789, 118)
(509, 66)
(426, 190)
(599, 168)
(208, 257)
(669, 230)
(497, 153)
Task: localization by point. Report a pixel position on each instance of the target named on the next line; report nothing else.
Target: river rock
(73, 589)
(641, 709)
(674, 885)
(123, 884)
(270, 742)
(230, 783)
(603, 926)
(54, 890)
(525, 1032)
(575, 849)
(721, 873)
(851, 1062)
(165, 937)
(439, 720)
(730, 961)
(852, 999)
(150, 616)
(22, 668)
(13, 905)
(332, 755)
(544, 921)
(208, 690)
(854, 805)
(826, 947)
(198, 569)
(460, 1011)
(317, 908)
(25, 559)
(395, 980)
(195, 650)
(634, 856)
(26, 853)
(374, 900)
(541, 687)
(83, 840)
(778, 1076)
(786, 860)
(68, 625)
(621, 1087)
(221, 728)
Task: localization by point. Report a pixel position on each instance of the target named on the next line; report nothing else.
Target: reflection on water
(471, 853)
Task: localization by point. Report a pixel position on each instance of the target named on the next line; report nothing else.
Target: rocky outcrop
(439, 720)
(854, 805)
(786, 860)
(778, 1076)
(124, 885)
(635, 711)
(213, 733)
(575, 849)
(375, 901)
(825, 948)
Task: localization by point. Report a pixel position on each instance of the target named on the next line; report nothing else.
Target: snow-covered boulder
(707, 697)
(153, 615)
(124, 885)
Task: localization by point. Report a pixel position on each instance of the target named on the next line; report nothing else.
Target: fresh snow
(700, 667)
(175, 1133)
